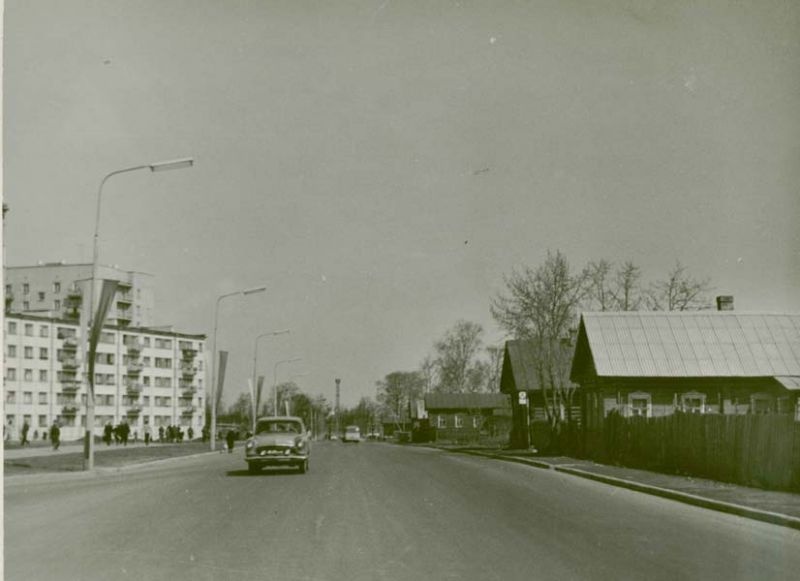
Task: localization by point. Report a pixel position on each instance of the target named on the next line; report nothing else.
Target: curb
(684, 497)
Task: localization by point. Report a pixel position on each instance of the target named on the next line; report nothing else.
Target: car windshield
(352, 429)
(277, 427)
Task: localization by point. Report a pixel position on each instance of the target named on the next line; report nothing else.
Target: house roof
(690, 344)
(519, 366)
(434, 401)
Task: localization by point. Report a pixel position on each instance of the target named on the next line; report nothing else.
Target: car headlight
(250, 445)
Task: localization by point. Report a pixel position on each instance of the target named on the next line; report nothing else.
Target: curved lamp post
(255, 358)
(88, 463)
(275, 379)
(245, 292)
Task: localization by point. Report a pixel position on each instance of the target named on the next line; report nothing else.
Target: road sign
(523, 397)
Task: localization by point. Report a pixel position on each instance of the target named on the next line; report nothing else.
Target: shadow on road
(265, 472)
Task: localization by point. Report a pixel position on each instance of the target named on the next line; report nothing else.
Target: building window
(28, 352)
(44, 331)
(639, 405)
(42, 421)
(441, 422)
(147, 341)
(760, 403)
(476, 422)
(11, 397)
(26, 305)
(8, 289)
(11, 374)
(43, 375)
(459, 421)
(28, 375)
(107, 338)
(56, 287)
(57, 305)
(40, 295)
(146, 400)
(693, 403)
(42, 397)
(146, 380)
(12, 351)
(29, 329)
(26, 288)
(12, 327)
(146, 361)
(43, 353)
(27, 397)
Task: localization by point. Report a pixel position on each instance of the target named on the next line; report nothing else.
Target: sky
(380, 166)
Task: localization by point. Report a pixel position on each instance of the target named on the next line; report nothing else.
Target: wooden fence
(754, 450)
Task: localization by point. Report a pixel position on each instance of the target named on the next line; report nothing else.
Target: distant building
(141, 375)
(467, 416)
(57, 289)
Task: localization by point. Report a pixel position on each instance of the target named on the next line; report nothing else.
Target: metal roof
(434, 401)
(520, 367)
(693, 344)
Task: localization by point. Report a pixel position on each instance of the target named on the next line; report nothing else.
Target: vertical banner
(223, 362)
(259, 389)
(106, 297)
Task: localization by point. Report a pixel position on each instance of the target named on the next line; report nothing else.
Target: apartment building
(141, 376)
(58, 289)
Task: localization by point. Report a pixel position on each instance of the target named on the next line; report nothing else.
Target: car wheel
(253, 468)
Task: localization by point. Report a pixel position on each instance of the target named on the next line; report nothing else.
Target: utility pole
(338, 383)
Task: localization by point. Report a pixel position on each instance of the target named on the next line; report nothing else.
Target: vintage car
(278, 441)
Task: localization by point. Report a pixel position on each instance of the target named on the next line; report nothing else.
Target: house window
(27, 397)
(12, 351)
(56, 287)
(441, 422)
(11, 374)
(760, 403)
(42, 421)
(11, 397)
(43, 375)
(29, 329)
(42, 397)
(459, 421)
(639, 405)
(43, 353)
(40, 295)
(12, 327)
(28, 352)
(476, 422)
(28, 375)
(693, 403)
(44, 331)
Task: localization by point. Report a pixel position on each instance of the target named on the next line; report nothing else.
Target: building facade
(60, 290)
(142, 376)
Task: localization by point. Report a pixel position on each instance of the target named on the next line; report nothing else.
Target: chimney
(725, 303)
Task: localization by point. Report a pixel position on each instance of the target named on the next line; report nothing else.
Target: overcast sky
(380, 165)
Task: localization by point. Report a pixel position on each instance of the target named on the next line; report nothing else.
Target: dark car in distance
(278, 441)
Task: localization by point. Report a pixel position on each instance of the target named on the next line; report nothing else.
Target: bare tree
(456, 359)
(617, 291)
(396, 390)
(679, 292)
(495, 369)
(427, 370)
(541, 305)
(627, 290)
(598, 285)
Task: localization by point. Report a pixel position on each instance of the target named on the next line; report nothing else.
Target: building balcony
(134, 388)
(73, 298)
(188, 410)
(134, 409)
(70, 363)
(70, 409)
(125, 298)
(70, 385)
(135, 368)
(188, 354)
(188, 370)
(135, 347)
(70, 343)
(124, 318)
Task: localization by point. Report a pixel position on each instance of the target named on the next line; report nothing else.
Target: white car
(351, 434)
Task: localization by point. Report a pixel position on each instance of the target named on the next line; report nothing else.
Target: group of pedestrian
(172, 434)
(54, 432)
(119, 433)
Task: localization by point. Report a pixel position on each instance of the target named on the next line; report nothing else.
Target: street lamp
(245, 292)
(153, 167)
(275, 380)
(255, 357)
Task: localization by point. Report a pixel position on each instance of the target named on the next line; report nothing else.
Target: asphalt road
(372, 512)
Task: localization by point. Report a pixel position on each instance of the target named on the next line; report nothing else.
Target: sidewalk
(782, 508)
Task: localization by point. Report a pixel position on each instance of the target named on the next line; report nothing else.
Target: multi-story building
(142, 376)
(57, 289)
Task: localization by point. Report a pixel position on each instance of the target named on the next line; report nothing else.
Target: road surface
(372, 512)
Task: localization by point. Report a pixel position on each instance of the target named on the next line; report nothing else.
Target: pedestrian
(125, 431)
(230, 439)
(161, 434)
(55, 435)
(108, 430)
(25, 428)
(190, 433)
(205, 433)
(148, 432)
(35, 435)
